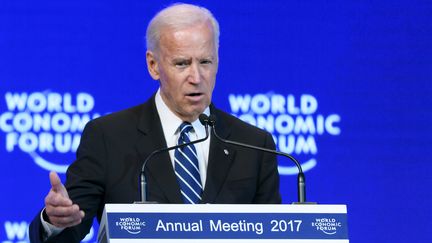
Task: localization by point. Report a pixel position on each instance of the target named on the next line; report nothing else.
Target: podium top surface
(226, 208)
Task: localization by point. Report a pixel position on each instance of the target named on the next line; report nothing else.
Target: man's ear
(152, 65)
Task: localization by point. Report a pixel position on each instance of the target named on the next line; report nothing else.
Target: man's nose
(195, 73)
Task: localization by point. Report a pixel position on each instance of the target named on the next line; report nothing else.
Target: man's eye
(206, 62)
(181, 64)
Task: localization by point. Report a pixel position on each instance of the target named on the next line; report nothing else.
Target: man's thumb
(55, 182)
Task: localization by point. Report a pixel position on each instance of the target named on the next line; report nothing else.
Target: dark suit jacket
(112, 150)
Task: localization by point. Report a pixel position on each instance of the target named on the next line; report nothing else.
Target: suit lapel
(220, 160)
(159, 167)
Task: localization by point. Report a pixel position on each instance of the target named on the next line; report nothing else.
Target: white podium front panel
(223, 223)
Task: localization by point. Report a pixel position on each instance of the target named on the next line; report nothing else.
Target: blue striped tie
(186, 168)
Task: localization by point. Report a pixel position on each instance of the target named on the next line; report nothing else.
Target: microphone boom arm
(143, 181)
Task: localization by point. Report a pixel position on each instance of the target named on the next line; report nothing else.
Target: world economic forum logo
(294, 122)
(130, 225)
(328, 226)
(45, 124)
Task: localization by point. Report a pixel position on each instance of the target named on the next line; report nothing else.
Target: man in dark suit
(182, 43)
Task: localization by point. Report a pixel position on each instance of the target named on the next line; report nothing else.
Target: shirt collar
(170, 122)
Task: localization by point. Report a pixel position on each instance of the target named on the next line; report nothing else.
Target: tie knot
(185, 127)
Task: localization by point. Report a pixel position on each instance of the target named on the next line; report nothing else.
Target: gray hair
(176, 17)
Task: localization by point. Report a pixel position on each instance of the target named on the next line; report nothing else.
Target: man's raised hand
(59, 208)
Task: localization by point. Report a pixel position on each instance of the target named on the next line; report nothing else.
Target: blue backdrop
(345, 86)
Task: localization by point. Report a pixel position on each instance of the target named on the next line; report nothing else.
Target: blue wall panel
(345, 86)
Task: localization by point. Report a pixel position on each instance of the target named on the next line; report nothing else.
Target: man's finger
(72, 220)
(56, 199)
(65, 221)
(63, 211)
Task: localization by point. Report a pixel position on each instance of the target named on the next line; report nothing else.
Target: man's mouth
(194, 94)
(195, 97)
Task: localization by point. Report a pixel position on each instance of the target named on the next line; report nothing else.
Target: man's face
(186, 64)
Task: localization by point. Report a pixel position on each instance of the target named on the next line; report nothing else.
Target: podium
(220, 223)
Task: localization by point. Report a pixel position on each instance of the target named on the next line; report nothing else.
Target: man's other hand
(59, 208)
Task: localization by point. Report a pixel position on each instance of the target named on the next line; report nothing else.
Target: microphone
(143, 181)
(301, 186)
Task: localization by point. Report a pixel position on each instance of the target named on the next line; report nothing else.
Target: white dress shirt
(171, 123)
